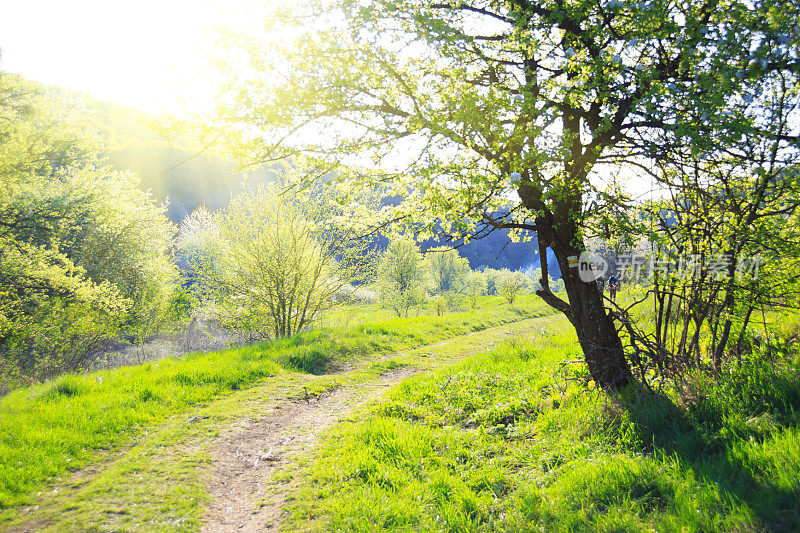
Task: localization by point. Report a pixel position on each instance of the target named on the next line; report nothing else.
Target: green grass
(50, 430)
(160, 482)
(60, 426)
(519, 440)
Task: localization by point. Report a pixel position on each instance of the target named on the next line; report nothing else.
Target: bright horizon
(150, 55)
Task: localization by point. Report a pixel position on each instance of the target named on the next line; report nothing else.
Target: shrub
(401, 276)
(271, 265)
(511, 284)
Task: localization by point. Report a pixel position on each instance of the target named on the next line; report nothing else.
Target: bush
(83, 252)
(308, 359)
(447, 270)
(401, 276)
(271, 265)
(475, 288)
(509, 284)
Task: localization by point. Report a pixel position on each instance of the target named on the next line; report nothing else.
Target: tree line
(89, 262)
(84, 253)
(407, 279)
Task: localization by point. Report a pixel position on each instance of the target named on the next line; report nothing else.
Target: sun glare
(149, 54)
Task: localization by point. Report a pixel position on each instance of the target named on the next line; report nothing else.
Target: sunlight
(399, 265)
(152, 55)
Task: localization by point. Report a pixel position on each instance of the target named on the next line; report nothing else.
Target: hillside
(187, 176)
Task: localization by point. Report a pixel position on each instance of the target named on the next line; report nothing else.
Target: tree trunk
(742, 333)
(719, 351)
(597, 335)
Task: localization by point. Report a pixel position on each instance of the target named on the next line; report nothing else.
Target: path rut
(254, 448)
(250, 454)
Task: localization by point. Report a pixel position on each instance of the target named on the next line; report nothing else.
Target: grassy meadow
(519, 439)
(515, 438)
(52, 429)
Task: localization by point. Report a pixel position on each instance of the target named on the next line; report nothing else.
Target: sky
(151, 55)
(147, 54)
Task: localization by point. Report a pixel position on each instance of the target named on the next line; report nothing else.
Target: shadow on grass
(697, 442)
(309, 360)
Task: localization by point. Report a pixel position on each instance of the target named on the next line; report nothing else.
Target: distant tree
(534, 275)
(491, 280)
(274, 264)
(475, 287)
(194, 237)
(401, 276)
(511, 284)
(195, 230)
(447, 270)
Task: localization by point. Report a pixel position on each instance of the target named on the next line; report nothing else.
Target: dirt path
(250, 454)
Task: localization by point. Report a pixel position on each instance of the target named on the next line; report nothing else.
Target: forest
(460, 266)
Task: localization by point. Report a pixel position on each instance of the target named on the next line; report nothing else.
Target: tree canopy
(517, 112)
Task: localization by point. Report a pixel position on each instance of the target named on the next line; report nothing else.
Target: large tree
(528, 102)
